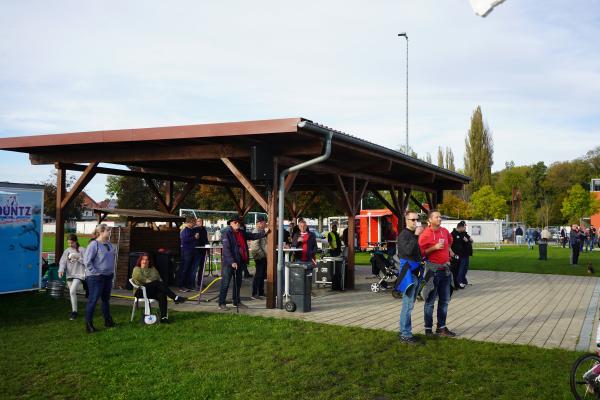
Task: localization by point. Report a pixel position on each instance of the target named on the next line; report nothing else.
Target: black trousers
(258, 283)
(574, 255)
(159, 291)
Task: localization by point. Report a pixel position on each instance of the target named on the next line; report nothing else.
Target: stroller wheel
(375, 287)
(396, 294)
(290, 306)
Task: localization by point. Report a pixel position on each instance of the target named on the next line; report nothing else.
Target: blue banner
(20, 238)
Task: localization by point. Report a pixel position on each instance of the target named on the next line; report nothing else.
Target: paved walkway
(502, 307)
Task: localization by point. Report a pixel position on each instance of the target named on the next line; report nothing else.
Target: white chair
(147, 301)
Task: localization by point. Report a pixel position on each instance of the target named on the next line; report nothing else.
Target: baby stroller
(385, 269)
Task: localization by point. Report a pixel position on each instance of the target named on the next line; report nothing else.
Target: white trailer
(485, 234)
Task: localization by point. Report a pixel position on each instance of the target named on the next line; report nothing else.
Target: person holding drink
(435, 243)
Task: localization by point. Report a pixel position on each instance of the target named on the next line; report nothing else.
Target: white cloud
(535, 70)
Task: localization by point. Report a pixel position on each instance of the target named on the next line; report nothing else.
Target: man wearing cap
(235, 256)
(462, 246)
(434, 243)
(258, 249)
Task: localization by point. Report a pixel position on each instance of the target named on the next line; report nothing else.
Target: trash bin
(301, 275)
(337, 266)
(165, 264)
(543, 248)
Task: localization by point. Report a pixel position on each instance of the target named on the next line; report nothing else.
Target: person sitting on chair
(146, 275)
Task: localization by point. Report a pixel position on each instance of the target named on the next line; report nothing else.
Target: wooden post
(350, 260)
(61, 189)
(272, 241)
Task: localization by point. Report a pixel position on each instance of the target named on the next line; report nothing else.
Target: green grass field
(48, 241)
(229, 356)
(520, 259)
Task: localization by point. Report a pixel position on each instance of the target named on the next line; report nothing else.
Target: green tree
(479, 151)
(131, 193)
(428, 158)
(440, 157)
(450, 159)
(411, 152)
(455, 207)
(486, 204)
(579, 203)
(74, 210)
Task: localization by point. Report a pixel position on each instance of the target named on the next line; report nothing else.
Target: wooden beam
(249, 206)
(344, 195)
(161, 202)
(395, 200)
(169, 194)
(328, 169)
(182, 195)
(235, 200)
(81, 183)
(419, 204)
(289, 180)
(384, 201)
(407, 195)
(134, 152)
(61, 188)
(307, 204)
(246, 183)
(272, 241)
(363, 189)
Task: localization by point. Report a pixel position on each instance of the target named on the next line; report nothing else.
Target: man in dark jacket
(462, 246)
(410, 273)
(235, 256)
(305, 240)
(575, 243)
(201, 236)
(187, 254)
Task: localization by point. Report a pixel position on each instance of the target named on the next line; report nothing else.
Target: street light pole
(406, 37)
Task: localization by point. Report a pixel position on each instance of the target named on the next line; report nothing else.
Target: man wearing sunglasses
(411, 272)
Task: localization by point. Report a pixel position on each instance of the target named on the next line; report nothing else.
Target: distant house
(89, 204)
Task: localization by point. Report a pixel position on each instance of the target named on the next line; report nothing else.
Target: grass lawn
(520, 259)
(229, 356)
(48, 241)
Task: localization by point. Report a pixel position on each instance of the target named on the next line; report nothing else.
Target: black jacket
(203, 240)
(408, 246)
(461, 243)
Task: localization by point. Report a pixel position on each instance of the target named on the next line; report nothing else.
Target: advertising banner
(21, 210)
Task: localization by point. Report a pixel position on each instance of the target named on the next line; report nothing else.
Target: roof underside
(140, 215)
(195, 152)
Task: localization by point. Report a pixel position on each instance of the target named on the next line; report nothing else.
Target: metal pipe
(281, 198)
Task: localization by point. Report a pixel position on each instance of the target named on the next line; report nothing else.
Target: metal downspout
(281, 198)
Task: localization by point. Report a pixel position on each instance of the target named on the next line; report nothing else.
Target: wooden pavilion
(223, 154)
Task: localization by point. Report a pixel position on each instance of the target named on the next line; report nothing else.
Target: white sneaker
(462, 285)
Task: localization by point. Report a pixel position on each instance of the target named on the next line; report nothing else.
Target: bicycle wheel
(579, 386)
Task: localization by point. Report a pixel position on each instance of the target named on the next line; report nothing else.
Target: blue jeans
(463, 268)
(408, 302)
(228, 273)
(99, 287)
(441, 283)
(530, 244)
(186, 269)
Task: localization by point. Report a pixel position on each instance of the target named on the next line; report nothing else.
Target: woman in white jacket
(71, 264)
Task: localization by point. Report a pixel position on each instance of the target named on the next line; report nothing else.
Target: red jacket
(430, 238)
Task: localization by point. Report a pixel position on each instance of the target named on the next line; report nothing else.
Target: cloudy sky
(533, 66)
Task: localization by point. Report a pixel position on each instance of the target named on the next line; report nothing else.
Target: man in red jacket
(435, 242)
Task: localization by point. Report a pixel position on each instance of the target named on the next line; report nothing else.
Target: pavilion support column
(272, 241)
(350, 200)
(61, 190)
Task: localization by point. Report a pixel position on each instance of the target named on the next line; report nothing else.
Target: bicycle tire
(578, 385)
